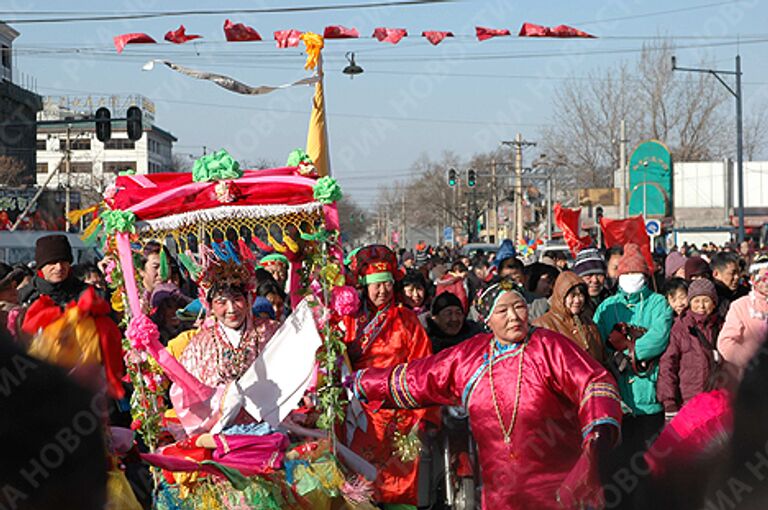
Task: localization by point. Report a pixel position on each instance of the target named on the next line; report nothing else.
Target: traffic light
(471, 178)
(133, 120)
(103, 124)
(452, 177)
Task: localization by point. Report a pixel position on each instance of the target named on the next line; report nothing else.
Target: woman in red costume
(382, 335)
(541, 409)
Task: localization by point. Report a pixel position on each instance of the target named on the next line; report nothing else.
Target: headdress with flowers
(222, 271)
(490, 297)
(374, 263)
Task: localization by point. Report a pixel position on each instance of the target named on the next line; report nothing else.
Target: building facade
(93, 165)
(18, 110)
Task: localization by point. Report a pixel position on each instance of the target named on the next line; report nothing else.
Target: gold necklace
(507, 432)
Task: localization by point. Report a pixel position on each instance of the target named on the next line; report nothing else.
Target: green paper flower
(298, 157)
(119, 221)
(320, 236)
(215, 167)
(327, 190)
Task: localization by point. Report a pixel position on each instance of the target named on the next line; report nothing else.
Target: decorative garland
(149, 383)
(322, 276)
(176, 221)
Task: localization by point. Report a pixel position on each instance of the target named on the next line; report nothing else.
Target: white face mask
(632, 283)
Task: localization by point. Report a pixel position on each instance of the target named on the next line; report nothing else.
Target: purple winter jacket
(687, 367)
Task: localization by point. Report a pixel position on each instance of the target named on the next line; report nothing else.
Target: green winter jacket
(648, 310)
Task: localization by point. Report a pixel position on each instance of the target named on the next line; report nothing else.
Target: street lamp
(739, 127)
(352, 68)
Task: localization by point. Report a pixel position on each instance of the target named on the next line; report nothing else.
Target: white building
(705, 200)
(94, 165)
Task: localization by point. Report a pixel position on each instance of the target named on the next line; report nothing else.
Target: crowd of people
(569, 370)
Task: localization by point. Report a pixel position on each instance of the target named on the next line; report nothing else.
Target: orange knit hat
(633, 261)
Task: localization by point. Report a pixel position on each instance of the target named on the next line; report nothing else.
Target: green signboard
(650, 180)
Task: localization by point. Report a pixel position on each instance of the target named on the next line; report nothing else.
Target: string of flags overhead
(239, 32)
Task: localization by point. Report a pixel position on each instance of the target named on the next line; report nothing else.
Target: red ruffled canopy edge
(140, 193)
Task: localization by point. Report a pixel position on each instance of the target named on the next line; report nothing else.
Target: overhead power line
(332, 57)
(209, 12)
(655, 13)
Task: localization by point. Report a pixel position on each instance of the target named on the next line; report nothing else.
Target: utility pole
(739, 127)
(494, 203)
(387, 238)
(549, 206)
(623, 170)
(518, 143)
(68, 186)
(403, 242)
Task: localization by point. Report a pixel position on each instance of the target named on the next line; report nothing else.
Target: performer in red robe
(383, 335)
(541, 409)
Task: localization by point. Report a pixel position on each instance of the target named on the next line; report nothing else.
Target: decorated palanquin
(247, 429)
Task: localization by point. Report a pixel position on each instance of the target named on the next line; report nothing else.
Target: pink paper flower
(345, 300)
(109, 268)
(136, 424)
(317, 289)
(141, 332)
(110, 192)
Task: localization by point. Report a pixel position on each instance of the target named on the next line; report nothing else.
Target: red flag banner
(179, 36)
(568, 221)
(484, 33)
(630, 230)
(237, 32)
(390, 35)
(135, 38)
(532, 30)
(339, 32)
(287, 38)
(563, 31)
(566, 31)
(436, 36)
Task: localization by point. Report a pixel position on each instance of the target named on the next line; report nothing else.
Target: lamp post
(739, 127)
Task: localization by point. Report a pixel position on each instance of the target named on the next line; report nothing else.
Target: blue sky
(413, 99)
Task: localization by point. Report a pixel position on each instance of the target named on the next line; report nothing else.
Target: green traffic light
(451, 177)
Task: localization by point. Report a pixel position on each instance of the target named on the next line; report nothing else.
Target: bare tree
(260, 164)
(11, 171)
(691, 115)
(180, 163)
(587, 119)
(755, 133)
(352, 219)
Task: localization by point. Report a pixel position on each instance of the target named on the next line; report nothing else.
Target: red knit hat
(633, 261)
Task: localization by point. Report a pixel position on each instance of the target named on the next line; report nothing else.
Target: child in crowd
(690, 364)
(676, 292)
